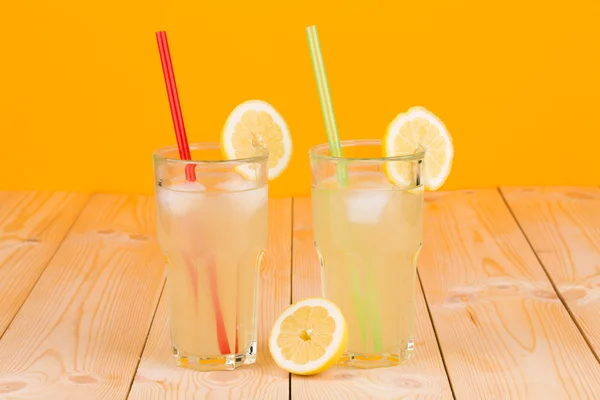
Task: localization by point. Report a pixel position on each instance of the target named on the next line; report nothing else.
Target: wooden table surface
(508, 303)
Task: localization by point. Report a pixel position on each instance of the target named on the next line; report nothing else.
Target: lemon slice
(416, 128)
(253, 124)
(309, 337)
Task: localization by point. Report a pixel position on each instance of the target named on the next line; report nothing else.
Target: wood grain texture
(423, 377)
(32, 226)
(503, 331)
(80, 333)
(158, 378)
(563, 226)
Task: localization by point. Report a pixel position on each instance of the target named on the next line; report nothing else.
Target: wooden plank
(503, 331)
(563, 226)
(423, 377)
(32, 226)
(158, 378)
(80, 333)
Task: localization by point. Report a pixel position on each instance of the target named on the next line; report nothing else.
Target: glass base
(376, 360)
(227, 362)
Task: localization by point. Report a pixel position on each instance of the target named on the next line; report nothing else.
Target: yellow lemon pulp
(309, 337)
(305, 335)
(254, 125)
(416, 130)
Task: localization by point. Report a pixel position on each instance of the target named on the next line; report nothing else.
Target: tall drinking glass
(212, 232)
(367, 230)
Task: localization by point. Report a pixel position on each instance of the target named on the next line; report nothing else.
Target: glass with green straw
(367, 231)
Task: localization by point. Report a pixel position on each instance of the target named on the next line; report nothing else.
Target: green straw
(342, 174)
(326, 106)
(360, 304)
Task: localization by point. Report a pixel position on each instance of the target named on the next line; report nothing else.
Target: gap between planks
(31, 241)
(435, 333)
(552, 282)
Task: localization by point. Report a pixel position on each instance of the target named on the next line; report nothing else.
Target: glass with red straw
(211, 225)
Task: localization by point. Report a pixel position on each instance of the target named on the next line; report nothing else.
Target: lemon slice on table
(309, 337)
(419, 127)
(252, 124)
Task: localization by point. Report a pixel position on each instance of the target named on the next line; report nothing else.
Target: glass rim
(314, 152)
(159, 154)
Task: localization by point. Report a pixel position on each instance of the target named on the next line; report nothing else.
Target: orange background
(83, 103)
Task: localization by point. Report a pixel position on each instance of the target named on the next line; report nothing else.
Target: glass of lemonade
(367, 231)
(212, 229)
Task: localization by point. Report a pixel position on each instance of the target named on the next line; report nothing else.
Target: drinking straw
(190, 175)
(335, 149)
(326, 105)
(176, 114)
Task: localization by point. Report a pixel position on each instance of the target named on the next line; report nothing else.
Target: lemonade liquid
(213, 239)
(368, 236)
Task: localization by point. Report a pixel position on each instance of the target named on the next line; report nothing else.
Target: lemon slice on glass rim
(254, 124)
(309, 337)
(418, 128)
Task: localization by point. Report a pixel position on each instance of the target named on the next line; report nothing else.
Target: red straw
(167, 67)
(190, 175)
